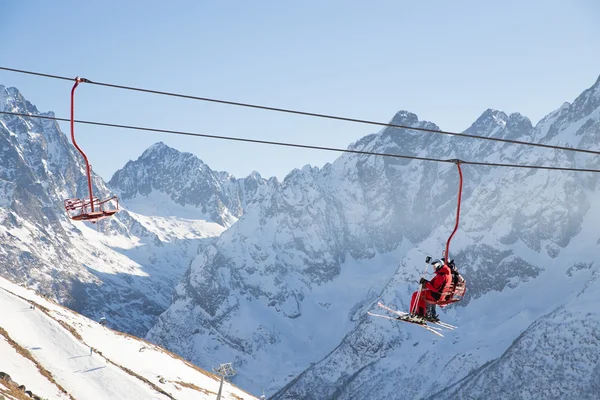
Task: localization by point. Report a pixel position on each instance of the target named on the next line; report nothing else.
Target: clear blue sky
(446, 61)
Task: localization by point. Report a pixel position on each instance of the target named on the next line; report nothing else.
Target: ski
(422, 325)
(404, 314)
(445, 325)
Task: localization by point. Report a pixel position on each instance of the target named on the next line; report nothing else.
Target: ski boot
(432, 317)
(431, 314)
(414, 318)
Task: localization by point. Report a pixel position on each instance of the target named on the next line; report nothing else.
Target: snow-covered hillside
(58, 354)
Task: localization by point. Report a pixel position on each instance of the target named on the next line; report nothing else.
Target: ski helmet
(437, 264)
(450, 263)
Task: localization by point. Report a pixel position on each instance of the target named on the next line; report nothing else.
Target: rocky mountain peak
(156, 148)
(489, 121)
(12, 100)
(405, 118)
(159, 149)
(587, 102)
(255, 175)
(169, 157)
(583, 112)
(518, 122)
(495, 123)
(187, 181)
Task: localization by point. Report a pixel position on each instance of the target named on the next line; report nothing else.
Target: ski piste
(404, 317)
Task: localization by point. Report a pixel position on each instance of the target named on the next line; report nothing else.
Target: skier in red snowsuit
(431, 291)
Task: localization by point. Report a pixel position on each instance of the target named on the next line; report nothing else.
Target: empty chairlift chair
(90, 209)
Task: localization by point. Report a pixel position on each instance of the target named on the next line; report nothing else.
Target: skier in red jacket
(431, 291)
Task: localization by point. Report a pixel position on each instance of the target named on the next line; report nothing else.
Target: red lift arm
(87, 209)
(446, 253)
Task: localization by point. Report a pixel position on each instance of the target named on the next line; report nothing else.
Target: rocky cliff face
(164, 181)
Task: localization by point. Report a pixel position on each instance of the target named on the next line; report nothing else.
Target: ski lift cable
(303, 146)
(265, 390)
(306, 113)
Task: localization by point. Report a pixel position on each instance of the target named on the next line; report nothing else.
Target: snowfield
(73, 357)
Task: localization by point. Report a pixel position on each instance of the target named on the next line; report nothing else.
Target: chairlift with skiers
(446, 287)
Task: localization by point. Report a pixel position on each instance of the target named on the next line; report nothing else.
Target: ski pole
(415, 306)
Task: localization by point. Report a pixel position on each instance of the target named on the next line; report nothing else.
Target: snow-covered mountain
(281, 274)
(166, 182)
(50, 352)
(285, 290)
(125, 267)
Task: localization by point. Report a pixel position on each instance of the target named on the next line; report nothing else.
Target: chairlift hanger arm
(460, 184)
(91, 209)
(87, 163)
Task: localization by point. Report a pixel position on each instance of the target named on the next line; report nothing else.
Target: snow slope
(118, 366)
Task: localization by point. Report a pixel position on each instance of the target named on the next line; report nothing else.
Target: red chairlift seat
(82, 210)
(89, 209)
(454, 293)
